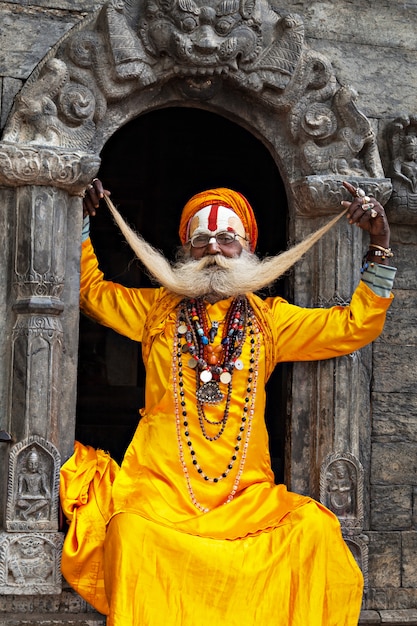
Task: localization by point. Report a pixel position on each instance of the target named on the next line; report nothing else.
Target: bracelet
(380, 251)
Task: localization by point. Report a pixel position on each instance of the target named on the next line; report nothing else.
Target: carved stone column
(40, 319)
(326, 395)
(330, 399)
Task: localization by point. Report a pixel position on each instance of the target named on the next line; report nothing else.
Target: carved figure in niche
(341, 489)
(33, 492)
(402, 142)
(31, 561)
(405, 167)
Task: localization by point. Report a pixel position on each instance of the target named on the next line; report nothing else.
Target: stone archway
(152, 165)
(246, 61)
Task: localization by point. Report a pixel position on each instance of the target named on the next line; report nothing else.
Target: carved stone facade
(256, 64)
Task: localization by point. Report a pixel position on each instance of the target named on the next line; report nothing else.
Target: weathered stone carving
(39, 270)
(37, 344)
(319, 195)
(358, 545)
(30, 563)
(341, 489)
(26, 164)
(402, 143)
(32, 498)
(198, 47)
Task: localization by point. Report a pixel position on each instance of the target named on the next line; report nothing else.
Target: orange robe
(264, 555)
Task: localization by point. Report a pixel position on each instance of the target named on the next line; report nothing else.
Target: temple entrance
(152, 166)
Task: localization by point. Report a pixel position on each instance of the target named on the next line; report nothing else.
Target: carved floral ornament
(197, 48)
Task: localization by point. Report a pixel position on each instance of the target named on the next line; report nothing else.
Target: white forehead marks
(215, 218)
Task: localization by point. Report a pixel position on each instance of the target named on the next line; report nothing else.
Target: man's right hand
(93, 194)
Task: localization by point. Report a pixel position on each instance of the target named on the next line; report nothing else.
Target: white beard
(215, 277)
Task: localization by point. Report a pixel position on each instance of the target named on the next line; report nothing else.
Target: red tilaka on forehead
(212, 218)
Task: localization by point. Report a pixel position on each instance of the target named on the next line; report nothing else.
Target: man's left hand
(367, 213)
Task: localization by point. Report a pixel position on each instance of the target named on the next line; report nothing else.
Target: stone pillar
(40, 327)
(328, 399)
(328, 452)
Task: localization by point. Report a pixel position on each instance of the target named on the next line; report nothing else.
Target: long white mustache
(216, 275)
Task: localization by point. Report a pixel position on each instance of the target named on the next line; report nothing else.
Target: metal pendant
(209, 393)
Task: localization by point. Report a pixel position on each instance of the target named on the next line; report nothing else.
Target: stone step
(52, 619)
(398, 617)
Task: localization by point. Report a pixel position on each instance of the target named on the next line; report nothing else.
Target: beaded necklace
(203, 357)
(192, 326)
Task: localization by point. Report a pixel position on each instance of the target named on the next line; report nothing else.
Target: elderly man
(195, 530)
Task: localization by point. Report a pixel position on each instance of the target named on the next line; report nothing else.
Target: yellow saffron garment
(180, 550)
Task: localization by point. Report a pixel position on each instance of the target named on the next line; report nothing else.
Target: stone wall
(372, 46)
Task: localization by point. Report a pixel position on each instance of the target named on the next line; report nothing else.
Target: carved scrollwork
(41, 105)
(24, 165)
(200, 47)
(335, 137)
(47, 327)
(321, 195)
(319, 121)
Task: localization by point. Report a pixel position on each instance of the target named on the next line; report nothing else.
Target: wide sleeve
(304, 334)
(124, 309)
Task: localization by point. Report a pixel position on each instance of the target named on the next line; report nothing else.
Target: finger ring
(360, 193)
(94, 180)
(90, 186)
(367, 206)
(373, 213)
(366, 199)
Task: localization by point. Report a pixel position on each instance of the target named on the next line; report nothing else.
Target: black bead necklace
(182, 424)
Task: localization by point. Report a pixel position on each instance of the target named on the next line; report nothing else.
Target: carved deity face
(31, 547)
(208, 39)
(32, 462)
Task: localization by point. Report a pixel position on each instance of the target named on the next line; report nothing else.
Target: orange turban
(227, 198)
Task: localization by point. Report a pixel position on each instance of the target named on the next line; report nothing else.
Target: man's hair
(223, 277)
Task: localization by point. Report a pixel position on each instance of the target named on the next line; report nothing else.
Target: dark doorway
(152, 166)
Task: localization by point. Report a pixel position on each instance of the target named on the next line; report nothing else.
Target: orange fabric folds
(299, 574)
(85, 491)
